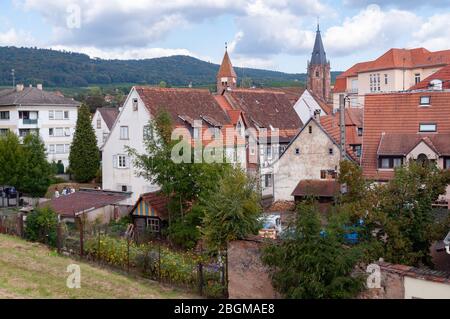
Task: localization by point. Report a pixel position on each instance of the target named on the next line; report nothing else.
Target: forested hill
(67, 69)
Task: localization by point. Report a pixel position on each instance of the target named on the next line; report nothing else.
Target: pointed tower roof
(318, 54)
(226, 68)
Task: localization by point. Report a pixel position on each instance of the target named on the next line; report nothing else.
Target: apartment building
(32, 110)
(396, 70)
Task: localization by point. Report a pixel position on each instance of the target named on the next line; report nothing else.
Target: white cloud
(433, 34)
(126, 54)
(371, 28)
(12, 37)
(271, 29)
(111, 23)
(406, 4)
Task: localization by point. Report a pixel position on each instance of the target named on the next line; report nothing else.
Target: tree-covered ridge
(67, 69)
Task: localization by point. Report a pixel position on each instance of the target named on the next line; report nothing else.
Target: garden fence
(152, 258)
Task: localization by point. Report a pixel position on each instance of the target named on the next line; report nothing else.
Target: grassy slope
(30, 270)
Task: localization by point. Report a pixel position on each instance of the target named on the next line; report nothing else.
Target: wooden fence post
(200, 278)
(20, 225)
(1, 224)
(128, 254)
(59, 237)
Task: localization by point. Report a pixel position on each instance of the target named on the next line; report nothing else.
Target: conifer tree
(84, 154)
(37, 172)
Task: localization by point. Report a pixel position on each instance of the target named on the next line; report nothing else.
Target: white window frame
(124, 136)
(154, 225)
(427, 127)
(122, 161)
(425, 100)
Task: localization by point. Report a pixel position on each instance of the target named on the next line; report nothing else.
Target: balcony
(29, 121)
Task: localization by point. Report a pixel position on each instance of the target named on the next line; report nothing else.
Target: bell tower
(319, 75)
(226, 77)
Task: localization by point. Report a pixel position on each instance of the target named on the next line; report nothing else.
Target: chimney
(39, 86)
(19, 87)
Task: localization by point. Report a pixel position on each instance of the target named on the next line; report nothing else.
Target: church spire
(226, 77)
(318, 55)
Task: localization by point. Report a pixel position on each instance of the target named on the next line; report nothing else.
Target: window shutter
(114, 161)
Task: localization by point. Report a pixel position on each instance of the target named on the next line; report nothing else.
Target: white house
(185, 106)
(102, 122)
(313, 154)
(33, 110)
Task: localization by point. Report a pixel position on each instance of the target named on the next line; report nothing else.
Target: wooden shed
(149, 212)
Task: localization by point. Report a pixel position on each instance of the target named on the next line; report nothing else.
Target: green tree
(41, 226)
(232, 211)
(84, 154)
(181, 182)
(311, 264)
(12, 160)
(404, 217)
(37, 172)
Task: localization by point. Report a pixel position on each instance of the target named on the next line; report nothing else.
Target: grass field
(30, 270)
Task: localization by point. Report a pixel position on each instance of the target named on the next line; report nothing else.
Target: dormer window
(135, 104)
(425, 100)
(427, 127)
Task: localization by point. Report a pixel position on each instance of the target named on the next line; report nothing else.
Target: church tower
(319, 76)
(226, 77)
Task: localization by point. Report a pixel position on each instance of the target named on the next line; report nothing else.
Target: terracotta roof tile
(265, 108)
(226, 68)
(84, 200)
(443, 75)
(157, 200)
(193, 103)
(395, 59)
(322, 188)
(400, 113)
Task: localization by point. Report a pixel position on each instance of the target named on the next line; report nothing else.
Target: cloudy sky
(272, 34)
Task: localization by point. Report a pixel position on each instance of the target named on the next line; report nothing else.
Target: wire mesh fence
(146, 255)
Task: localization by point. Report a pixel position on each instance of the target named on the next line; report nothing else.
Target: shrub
(41, 226)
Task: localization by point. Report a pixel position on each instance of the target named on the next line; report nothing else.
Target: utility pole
(342, 101)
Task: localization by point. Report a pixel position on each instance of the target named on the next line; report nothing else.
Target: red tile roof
(193, 103)
(265, 108)
(404, 143)
(443, 75)
(408, 58)
(395, 59)
(400, 113)
(322, 188)
(226, 68)
(84, 201)
(353, 121)
(109, 115)
(157, 200)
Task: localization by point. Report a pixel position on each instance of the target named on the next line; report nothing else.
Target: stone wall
(247, 276)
